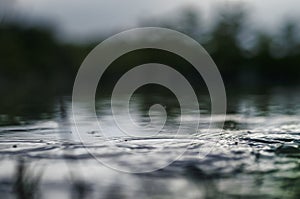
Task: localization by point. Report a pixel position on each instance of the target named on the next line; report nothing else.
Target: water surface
(256, 155)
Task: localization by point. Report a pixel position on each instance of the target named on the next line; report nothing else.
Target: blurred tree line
(244, 55)
(33, 55)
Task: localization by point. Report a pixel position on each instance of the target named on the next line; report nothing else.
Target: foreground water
(256, 155)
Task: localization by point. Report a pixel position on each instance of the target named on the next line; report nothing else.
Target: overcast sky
(86, 18)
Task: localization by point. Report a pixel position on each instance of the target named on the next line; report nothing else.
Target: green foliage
(266, 59)
(32, 55)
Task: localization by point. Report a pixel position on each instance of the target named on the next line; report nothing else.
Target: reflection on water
(26, 185)
(256, 155)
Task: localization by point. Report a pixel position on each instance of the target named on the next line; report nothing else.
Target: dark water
(256, 155)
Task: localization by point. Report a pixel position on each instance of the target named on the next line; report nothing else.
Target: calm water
(256, 155)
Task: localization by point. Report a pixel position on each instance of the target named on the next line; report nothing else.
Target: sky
(80, 19)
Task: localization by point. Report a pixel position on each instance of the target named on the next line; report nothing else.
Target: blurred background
(255, 45)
